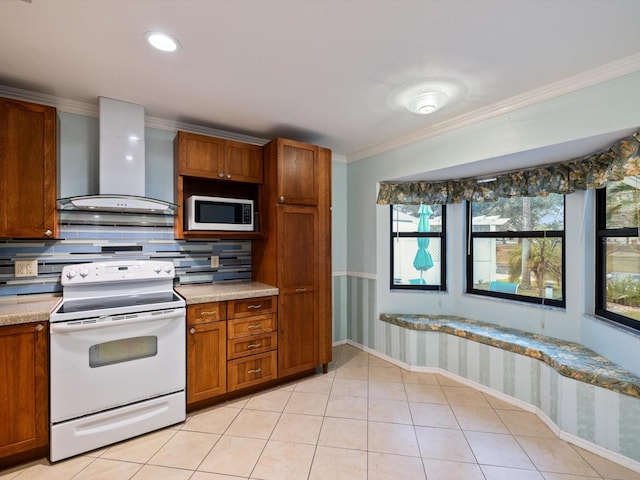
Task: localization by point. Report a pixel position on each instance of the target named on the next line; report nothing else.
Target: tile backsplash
(88, 237)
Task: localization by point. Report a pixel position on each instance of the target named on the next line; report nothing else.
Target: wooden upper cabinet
(297, 173)
(243, 162)
(209, 157)
(28, 166)
(199, 155)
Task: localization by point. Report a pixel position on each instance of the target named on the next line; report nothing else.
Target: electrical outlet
(215, 261)
(26, 268)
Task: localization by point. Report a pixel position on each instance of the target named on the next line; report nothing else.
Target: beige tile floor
(365, 419)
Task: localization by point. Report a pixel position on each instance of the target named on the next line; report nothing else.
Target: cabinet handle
(282, 199)
(251, 327)
(221, 175)
(255, 306)
(257, 370)
(228, 175)
(208, 313)
(39, 327)
(254, 345)
(301, 289)
(192, 330)
(48, 233)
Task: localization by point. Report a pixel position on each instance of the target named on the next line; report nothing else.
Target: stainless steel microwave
(219, 213)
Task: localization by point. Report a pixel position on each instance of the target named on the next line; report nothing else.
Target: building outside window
(418, 239)
(516, 249)
(618, 252)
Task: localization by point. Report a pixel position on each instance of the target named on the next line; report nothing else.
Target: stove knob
(167, 268)
(84, 272)
(157, 268)
(71, 274)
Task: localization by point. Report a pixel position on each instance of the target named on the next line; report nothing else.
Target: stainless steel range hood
(122, 164)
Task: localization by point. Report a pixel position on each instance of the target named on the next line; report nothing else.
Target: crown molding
(603, 73)
(91, 110)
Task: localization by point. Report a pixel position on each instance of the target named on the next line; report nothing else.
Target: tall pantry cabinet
(295, 252)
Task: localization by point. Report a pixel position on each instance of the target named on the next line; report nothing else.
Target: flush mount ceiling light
(162, 41)
(425, 96)
(428, 102)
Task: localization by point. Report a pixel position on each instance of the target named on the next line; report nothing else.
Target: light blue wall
(339, 248)
(601, 109)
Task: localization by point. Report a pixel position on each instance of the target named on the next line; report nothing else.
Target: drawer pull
(257, 370)
(301, 289)
(254, 306)
(254, 345)
(253, 327)
(192, 331)
(208, 313)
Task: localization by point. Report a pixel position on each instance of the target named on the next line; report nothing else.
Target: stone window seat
(569, 359)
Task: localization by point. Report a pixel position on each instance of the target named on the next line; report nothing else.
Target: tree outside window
(618, 252)
(516, 249)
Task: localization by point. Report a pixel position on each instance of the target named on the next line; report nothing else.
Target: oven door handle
(115, 320)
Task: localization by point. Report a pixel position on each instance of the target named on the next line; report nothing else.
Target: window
(515, 249)
(618, 252)
(418, 260)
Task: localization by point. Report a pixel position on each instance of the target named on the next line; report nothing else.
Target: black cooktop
(138, 300)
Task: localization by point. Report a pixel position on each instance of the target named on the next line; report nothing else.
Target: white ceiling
(319, 71)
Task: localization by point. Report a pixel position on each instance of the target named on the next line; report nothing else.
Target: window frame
(441, 235)
(602, 233)
(470, 235)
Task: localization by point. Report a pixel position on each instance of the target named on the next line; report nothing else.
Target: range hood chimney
(122, 164)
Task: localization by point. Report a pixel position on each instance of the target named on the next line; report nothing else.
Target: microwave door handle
(113, 321)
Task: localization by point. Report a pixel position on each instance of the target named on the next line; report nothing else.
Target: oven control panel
(104, 272)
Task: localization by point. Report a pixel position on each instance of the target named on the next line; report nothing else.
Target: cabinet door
(206, 361)
(298, 284)
(243, 162)
(28, 166)
(200, 155)
(297, 173)
(297, 333)
(24, 396)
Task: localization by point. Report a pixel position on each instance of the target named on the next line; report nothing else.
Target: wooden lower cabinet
(24, 392)
(297, 332)
(231, 345)
(206, 360)
(253, 370)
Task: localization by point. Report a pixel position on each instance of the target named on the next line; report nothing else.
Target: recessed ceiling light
(162, 41)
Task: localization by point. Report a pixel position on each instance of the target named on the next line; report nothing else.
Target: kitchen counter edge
(26, 309)
(220, 292)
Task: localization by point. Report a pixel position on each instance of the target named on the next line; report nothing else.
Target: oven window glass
(125, 350)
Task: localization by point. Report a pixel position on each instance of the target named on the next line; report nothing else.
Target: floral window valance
(593, 171)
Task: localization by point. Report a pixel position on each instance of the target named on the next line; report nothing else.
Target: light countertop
(220, 292)
(36, 308)
(27, 309)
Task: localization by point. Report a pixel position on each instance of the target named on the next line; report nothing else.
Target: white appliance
(219, 213)
(117, 355)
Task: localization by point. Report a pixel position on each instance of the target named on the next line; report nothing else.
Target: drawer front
(206, 312)
(252, 306)
(241, 347)
(251, 326)
(251, 370)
